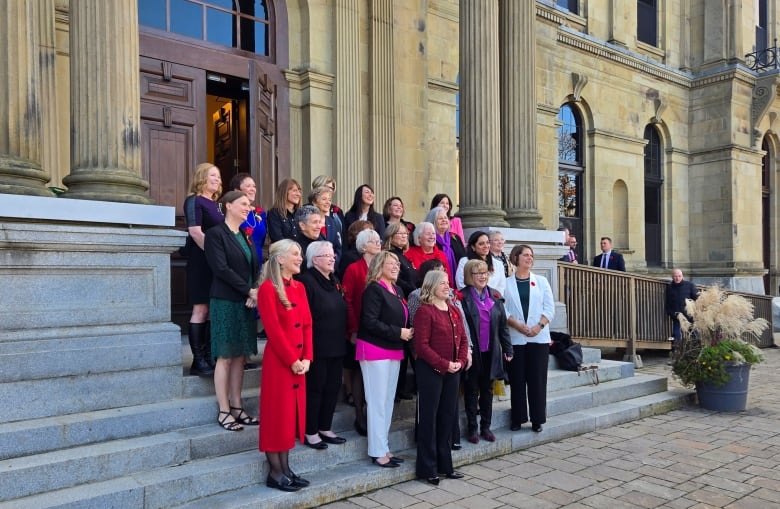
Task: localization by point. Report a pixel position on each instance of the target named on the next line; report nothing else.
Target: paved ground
(688, 458)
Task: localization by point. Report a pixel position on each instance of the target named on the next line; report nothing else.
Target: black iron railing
(764, 59)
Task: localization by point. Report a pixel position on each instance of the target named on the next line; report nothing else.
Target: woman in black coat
(329, 333)
(487, 321)
(234, 264)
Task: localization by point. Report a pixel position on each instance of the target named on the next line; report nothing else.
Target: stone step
(355, 478)
(26, 437)
(174, 462)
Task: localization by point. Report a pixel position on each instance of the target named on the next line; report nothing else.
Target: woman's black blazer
(234, 275)
(382, 317)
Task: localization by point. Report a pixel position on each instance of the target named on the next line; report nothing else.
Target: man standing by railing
(676, 295)
(609, 259)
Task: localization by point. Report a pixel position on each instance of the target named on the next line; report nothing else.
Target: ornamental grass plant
(722, 332)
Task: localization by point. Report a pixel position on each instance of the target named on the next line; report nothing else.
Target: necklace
(254, 219)
(523, 279)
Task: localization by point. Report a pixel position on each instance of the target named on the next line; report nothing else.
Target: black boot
(209, 358)
(197, 337)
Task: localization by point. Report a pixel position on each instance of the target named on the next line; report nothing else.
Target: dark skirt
(233, 329)
(198, 276)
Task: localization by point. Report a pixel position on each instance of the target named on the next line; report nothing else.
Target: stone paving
(688, 458)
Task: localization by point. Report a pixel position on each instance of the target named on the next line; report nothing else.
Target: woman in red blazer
(284, 310)
(442, 349)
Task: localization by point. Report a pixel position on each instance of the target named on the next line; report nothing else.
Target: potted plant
(716, 350)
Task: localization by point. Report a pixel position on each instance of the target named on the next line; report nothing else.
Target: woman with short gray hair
(329, 332)
(425, 247)
(308, 220)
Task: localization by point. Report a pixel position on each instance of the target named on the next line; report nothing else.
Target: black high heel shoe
(432, 480)
(389, 464)
(228, 425)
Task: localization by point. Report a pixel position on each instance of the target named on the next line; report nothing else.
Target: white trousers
(379, 382)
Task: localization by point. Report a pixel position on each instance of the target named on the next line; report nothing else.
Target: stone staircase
(173, 454)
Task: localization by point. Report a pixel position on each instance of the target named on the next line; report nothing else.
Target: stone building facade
(649, 126)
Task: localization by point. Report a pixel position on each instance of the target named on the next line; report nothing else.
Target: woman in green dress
(233, 261)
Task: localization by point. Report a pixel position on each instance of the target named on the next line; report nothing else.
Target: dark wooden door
(268, 117)
(173, 138)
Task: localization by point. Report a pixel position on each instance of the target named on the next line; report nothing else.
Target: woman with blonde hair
(281, 217)
(200, 213)
(384, 327)
(441, 347)
(332, 228)
(284, 310)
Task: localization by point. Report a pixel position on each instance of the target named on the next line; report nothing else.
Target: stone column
(20, 100)
(348, 136)
(382, 101)
(50, 146)
(105, 106)
(518, 114)
(480, 131)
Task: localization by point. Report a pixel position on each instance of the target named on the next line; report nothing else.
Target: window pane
(569, 136)
(570, 5)
(568, 200)
(254, 36)
(219, 27)
(225, 4)
(187, 18)
(152, 13)
(647, 22)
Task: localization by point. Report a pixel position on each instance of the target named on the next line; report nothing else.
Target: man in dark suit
(609, 259)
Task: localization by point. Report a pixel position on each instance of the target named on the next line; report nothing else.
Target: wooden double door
(202, 104)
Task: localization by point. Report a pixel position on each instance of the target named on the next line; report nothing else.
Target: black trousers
(436, 396)
(528, 380)
(323, 383)
(478, 394)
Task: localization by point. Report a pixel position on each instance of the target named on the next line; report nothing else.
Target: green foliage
(708, 364)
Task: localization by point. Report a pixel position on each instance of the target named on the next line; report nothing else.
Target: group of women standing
(467, 316)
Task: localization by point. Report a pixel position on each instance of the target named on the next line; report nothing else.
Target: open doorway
(227, 121)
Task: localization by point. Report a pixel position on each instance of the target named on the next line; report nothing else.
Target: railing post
(631, 355)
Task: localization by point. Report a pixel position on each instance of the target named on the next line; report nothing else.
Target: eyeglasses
(479, 274)
(325, 256)
(374, 242)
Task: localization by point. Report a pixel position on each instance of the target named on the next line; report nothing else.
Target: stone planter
(732, 397)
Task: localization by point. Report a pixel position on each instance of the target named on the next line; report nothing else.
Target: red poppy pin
(533, 283)
(496, 295)
(457, 294)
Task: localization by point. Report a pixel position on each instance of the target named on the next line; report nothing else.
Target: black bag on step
(567, 352)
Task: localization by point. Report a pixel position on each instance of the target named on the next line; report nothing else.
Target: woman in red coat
(284, 310)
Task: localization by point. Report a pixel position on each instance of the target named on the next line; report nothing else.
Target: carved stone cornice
(764, 94)
(602, 49)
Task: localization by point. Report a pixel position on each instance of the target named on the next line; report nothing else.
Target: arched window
(571, 167)
(242, 24)
(653, 197)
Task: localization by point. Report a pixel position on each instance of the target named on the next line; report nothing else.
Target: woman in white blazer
(530, 308)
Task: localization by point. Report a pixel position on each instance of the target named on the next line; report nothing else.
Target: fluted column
(518, 114)
(50, 146)
(105, 105)
(348, 151)
(20, 100)
(382, 100)
(480, 131)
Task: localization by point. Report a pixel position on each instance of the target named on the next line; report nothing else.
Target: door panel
(173, 142)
